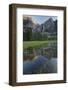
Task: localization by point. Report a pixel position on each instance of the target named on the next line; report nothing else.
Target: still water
(40, 59)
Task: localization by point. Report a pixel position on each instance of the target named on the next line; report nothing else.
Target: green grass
(27, 44)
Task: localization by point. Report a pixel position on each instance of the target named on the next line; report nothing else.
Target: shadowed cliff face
(48, 26)
(39, 32)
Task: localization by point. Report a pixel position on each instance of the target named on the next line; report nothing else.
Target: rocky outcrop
(35, 31)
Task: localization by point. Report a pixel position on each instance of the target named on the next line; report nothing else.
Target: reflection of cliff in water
(48, 50)
(40, 59)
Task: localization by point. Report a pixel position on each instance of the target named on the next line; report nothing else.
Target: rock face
(48, 26)
(27, 28)
(27, 23)
(48, 29)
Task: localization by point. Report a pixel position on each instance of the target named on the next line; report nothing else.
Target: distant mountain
(48, 26)
(33, 31)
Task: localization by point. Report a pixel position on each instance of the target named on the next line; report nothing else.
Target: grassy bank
(27, 44)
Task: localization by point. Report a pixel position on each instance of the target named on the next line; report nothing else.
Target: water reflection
(40, 59)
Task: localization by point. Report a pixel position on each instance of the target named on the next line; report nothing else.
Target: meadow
(31, 44)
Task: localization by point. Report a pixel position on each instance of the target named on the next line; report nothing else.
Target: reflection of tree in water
(49, 51)
(40, 59)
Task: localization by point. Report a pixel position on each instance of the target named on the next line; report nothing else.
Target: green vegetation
(29, 44)
(27, 35)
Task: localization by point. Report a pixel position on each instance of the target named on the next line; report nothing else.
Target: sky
(41, 19)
